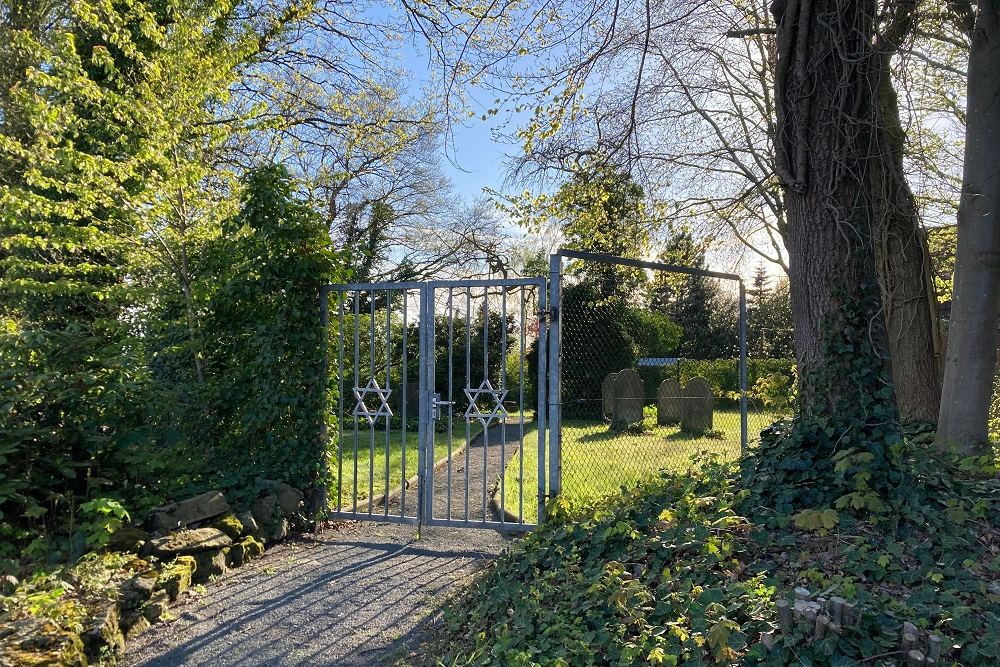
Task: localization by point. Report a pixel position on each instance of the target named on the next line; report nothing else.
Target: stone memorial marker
(628, 397)
(608, 396)
(669, 403)
(412, 399)
(698, 405)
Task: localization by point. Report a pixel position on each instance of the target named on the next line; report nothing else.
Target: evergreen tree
(706, 313)
(769, 318)
(603, 211)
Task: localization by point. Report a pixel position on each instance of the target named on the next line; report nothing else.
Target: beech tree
(972, 344)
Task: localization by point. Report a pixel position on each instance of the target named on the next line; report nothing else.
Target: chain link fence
(651, 375)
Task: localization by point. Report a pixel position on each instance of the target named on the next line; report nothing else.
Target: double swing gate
(451, 408)
(439, 391)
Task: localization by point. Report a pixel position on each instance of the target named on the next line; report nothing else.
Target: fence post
(555, 375)
(743, 368)
(541, 400)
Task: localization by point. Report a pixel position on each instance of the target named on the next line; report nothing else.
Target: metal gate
(439, 392)
(452, 408)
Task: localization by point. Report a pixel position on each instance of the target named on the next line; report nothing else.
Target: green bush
(268, 352)
(100, 420)
(724, 374)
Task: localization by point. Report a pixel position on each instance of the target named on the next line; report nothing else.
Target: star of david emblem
(361, 409)
(495, 397)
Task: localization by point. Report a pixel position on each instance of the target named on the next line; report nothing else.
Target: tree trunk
(826, 116)
(904, 265)
(975, 309)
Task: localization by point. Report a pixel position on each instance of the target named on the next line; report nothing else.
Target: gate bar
(320, 506)
(540, 400)
(641, 264)
(555, 379)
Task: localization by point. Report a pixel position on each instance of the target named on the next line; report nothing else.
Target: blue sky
(475, 160)
(475, 157)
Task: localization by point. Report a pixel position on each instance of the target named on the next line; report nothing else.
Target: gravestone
(608, 396)
(698, 406)
(628, 397)
(669, 403)
(412, 396)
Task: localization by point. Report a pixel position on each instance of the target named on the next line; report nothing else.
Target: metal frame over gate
(386, 385)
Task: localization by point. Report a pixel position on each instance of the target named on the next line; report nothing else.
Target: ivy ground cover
(685, 570)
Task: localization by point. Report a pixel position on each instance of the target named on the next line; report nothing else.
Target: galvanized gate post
(424, 390)
(542, 397)
(555, 377)
(743, 368)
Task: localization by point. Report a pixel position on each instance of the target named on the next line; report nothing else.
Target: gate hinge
(548, 316)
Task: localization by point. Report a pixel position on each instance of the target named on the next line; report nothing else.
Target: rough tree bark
(900, 245)
(827, 145)
(975, 311)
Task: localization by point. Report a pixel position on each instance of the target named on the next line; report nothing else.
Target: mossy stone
(104, 636)
(189, 542)
(235, 555)
(252, 548)
(136, 590)
(250, 526)
(230, 525)
(135, 623)
(210, 564)
(157, 606)
(175, 578)
(243, 552)
(128, 539)
(64, 650)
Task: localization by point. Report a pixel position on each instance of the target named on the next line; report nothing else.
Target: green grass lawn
(365, 437)
(597, 462)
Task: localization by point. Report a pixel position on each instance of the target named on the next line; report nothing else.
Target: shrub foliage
(685, 569)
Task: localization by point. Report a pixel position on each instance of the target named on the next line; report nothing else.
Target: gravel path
(346, 596)
(339, 597)
(482, 459)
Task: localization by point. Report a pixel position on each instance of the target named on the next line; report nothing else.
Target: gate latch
(437, 403)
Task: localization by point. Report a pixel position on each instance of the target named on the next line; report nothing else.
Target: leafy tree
(602, 336)
(108, 191)
(696, 116)
(76, 148)
(599, 209)
(941, 244)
